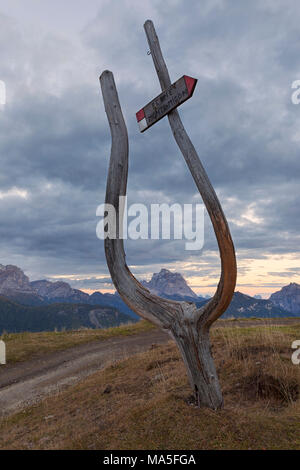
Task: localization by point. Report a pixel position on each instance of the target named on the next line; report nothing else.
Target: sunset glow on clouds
(55, 140)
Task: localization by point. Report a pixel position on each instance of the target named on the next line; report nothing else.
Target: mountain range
(17, 318)
(45, 305)
(288, 298)
(168, 284)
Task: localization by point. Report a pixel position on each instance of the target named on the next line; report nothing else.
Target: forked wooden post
(188, 326)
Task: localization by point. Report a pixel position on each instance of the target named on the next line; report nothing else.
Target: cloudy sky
(55, 140)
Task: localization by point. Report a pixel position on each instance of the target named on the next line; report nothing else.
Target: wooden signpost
(169, 99)
(187, 325)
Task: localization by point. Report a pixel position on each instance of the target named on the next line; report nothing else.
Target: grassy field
(144, 402)
(23, 346)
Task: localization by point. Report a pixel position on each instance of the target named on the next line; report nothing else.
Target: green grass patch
(23, 346)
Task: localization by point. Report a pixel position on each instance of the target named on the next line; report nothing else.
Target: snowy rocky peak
(58, 290)
(13, 278)
(167, 283)
(288, 298)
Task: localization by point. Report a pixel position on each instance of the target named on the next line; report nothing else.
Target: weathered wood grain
(226, 286)
(153, 308)
(169, 99)
(188, 325)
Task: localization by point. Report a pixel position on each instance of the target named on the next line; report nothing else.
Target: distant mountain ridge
(13, 278)
(59, 292)
(245, 306)
(57, 301)
(288, 298)
(44, 305)
(16, 318)
(167, 283)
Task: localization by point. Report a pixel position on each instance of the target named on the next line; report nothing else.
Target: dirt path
(26, 383)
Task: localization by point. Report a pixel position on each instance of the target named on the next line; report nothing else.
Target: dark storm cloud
(55, 141)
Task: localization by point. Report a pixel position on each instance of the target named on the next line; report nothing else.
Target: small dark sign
(168, 100)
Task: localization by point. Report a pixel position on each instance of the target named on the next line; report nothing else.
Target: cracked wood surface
(186, 323)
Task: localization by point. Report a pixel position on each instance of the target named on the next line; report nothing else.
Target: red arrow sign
(169, 99)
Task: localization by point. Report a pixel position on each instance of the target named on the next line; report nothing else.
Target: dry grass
(263, 358)
(142, 402)
(23, 346)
